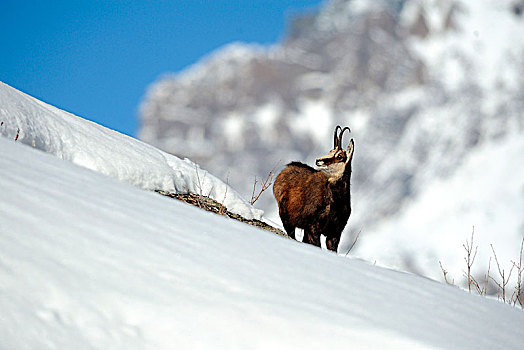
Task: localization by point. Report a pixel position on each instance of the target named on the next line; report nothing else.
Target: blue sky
(96, 58)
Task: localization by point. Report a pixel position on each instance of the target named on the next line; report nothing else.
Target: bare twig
(482, 290)
(502, 273)
(445, 273)
(501, 283)
(470, 259)
(476, 285)
(517, 294)
(199, 185)
(486, 278)
(254, 189)
(354, 241)
(264, 185)
(223, 208)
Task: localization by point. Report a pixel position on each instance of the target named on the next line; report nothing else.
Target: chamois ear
(349, 151)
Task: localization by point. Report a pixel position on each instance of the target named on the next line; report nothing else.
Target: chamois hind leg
(332, 243)
(284, 217)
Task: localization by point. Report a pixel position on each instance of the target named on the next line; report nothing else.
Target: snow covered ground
(108, 152)
(88, 261)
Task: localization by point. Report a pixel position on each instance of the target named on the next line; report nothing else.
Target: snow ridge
(108, 152)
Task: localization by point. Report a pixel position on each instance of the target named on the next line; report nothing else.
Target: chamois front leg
(311, 237)
(332, 243)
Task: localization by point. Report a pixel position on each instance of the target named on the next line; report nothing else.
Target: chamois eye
(339, 157)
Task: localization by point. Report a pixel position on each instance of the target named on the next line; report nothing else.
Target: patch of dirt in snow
(209, 204)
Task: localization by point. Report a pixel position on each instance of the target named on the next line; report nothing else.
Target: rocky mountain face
(420, 83)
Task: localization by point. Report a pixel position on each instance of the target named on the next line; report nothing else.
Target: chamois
(317, 201)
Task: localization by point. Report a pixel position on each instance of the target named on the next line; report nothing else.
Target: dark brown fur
(317, 201)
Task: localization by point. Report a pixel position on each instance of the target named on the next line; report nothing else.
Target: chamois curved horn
(342, 134)
(336, 138)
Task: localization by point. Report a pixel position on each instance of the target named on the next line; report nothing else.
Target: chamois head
(334, 163)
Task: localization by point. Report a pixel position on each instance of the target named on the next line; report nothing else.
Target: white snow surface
(89, 262)
(108, 152)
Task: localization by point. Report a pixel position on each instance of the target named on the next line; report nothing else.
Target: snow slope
(91, 262)
(107, 151)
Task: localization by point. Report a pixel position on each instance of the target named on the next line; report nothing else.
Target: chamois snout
(336, 155)
(317, 201)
